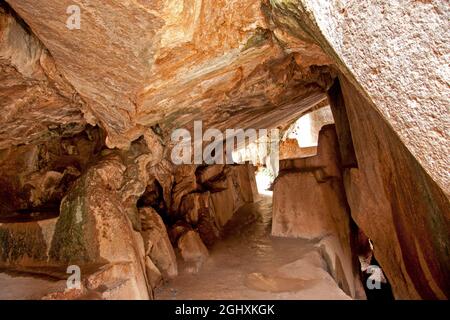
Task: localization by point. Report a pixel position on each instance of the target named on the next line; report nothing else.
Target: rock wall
(397, 204)
(37, 101)
(120, 219)
(26, 244)
(393, 52)
(67, 96)
(93, 228)
(393, 131)
(220, 190)
(92, 232)
(309, 202)
(289, 149)
(35, 177)
(97, 226)
(174, 51)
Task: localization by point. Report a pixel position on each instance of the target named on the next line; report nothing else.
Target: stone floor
(251, 264)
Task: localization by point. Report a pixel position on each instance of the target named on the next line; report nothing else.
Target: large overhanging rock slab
(139, 63)
(106, 60)
(394, 52)
(399, 207)
(36, 102)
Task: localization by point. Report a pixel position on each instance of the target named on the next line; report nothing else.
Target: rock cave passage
(335, 186)
(250, 264)
(277, 230)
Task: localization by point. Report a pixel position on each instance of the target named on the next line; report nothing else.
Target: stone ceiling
(136, 63)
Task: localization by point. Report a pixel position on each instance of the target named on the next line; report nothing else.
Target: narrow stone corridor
(251, 264)
(233, 149)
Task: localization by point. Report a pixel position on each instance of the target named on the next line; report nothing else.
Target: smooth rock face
(399, 207)
(244, 179)
(339, 256)
(239, 188)
(373, 44)
(310, 218)
(322, 210)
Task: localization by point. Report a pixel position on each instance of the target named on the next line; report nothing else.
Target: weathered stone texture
(157, 244)
(394, 53)
(192, 248)
(139, 69)
(309, 202)
(173, 51)
(399, 207)
(37, 103)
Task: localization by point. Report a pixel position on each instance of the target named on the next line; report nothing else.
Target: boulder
(157, 244)
(207, 227)
(198, 212)
(220, 183)
(177, 230)
(195, 205)
(92, 229)
(190, 207)
(192, 250)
